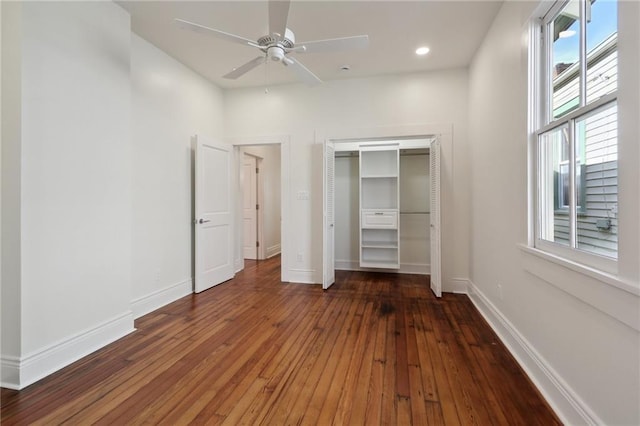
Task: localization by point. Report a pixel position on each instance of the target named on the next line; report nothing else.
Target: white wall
(74, 186)
(170, 104)
(11, 136)
(372, 103)
(576, 335)
(629, 130)
(270, 203)
(97, 129)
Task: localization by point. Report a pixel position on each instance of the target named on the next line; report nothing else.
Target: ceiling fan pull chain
(266, 77)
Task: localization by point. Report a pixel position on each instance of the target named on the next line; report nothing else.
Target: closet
(381, 208)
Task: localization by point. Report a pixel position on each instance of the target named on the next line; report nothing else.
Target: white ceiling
(452, 29)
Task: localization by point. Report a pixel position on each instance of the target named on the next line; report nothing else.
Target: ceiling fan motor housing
(275, 45)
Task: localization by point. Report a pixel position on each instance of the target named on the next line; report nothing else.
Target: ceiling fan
(279, 44)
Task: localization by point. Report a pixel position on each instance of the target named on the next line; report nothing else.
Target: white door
(328, 246)
(250, 206)
(213, 214)
(436, 262)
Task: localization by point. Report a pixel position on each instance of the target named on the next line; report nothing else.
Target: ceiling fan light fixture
(421, 51)
(276, 53)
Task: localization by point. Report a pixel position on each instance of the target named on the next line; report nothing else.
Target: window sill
(605, 292)
(605, 277)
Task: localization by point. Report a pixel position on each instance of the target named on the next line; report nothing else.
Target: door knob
(203, 221)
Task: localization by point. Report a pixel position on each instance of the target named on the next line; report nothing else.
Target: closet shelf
(379, 264)
(415, 212)
(379, 200)
(386, 176)
(379, 244)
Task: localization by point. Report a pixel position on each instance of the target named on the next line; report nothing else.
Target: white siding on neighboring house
(602, 77)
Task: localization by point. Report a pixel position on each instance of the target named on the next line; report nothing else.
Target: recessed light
(422, 50)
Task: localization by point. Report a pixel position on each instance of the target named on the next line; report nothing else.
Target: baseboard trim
(149, 303)
(302, 276)
(561, 397)
(238, 265)
(37, 365)
(405, 268)
(273, 251)
(456, 285)
(10, 372)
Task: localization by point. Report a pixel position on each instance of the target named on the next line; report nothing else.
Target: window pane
(553, 183)
(563, 187)
(597, 149)
(602, 52)
(565, 57)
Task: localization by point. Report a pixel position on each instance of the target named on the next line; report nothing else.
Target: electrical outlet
(299, 257)
(500, 291)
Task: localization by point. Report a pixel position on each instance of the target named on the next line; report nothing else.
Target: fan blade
(243, 69)
(301, 71)
(201, 29)
(278, 14)
(332, 45)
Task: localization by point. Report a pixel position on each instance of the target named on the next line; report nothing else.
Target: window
(577, 136)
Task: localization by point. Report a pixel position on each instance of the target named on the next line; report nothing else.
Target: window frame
(542, 122)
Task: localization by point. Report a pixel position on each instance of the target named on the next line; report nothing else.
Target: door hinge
(257, 243)
(257, 170)
(257, 206)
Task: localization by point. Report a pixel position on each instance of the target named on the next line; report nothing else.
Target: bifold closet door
(328, 237)
(436, 262)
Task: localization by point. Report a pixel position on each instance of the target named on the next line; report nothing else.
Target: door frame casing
(285, 205)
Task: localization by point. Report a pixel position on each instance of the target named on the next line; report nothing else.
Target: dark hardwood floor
(374, 349)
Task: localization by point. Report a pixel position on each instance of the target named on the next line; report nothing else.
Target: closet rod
(352, 154)
(412, 154)
(415, 212)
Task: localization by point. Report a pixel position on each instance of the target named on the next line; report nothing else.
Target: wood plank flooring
(373, 349)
